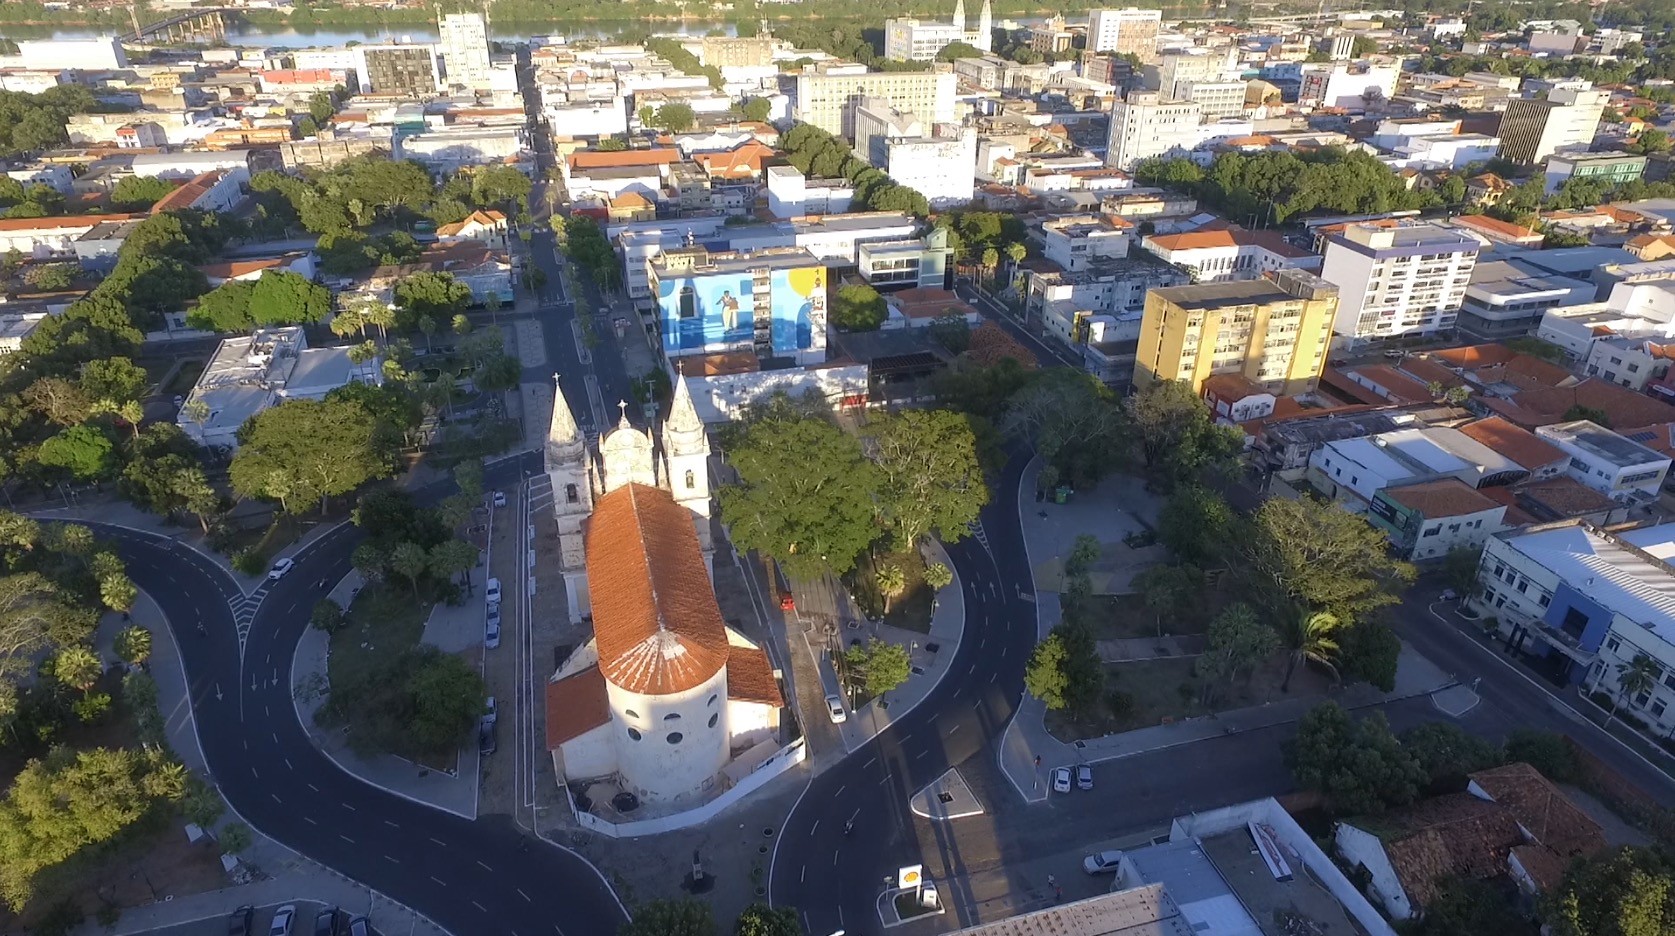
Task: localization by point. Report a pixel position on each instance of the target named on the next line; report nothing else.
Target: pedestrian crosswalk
(976, 528)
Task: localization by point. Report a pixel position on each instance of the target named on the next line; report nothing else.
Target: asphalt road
(470, 877)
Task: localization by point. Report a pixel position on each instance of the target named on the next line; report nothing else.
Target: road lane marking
(276, 798)
(834, 859)
(840, 789)
(485, 867)
(391, 860)
(310, 821)
(347, 806)
(523, 895)
(871, 762)
(288, 764)
(479, 906)
(346, 838)
(802, 876)
(391, 824)
(439, 880)
(921, 753)
(314, 788)
(253, 773)
(439, 842)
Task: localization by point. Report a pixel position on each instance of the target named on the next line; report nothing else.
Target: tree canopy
(304, 451)
(1627, 892)
(930, 475)
(1303, 553)
(1358, 765)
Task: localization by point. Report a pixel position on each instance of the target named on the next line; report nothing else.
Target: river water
(244, 34)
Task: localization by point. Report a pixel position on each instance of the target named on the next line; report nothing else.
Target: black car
(240, 923)
(485, 738)
(325, 922)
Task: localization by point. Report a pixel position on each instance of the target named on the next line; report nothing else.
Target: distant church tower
(626, 456)
(985, 28)
(959, 14)
(566, 459)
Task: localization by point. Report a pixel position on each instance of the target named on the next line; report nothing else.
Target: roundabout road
(482, 877)
(834, 879)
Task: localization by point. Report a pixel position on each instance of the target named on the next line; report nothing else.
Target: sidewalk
(947, 628)
(1027, 743)
(287, 875)
(455, 793)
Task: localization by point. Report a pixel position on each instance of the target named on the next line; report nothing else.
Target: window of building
(1612, 645)
(571, 495)
(711, 702)
(674, 737)
(715, 718)
(1544, 600)
(691, 480)
(1657, 708)
(633, 735)
(688, 302)
(672, 716)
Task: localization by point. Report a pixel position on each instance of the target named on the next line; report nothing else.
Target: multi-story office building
(828, 95)
(737, 51)
(1145, 126)
(1605, 168)
(1132, 31)
(942, 167)
(1506, 299)
(1217, 99)
(465, 49)
(1566, 119)
(1176, 70)
(1273, 332)
(915, 40)
(1398, 278)
(397, 69)
(1346, 84)
(770, 301)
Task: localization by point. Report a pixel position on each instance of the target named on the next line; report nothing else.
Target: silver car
(1104, 862)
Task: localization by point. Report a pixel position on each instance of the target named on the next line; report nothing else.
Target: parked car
(1084, 777)
(485, 738)
(492, 593)
(491, 628)
(1103, 863)
(280, 569)
(241, 921)
(491, 713)
(1449, 594)
(282, 920)
(1061, 779)
(360, 926)
(1395, 355)
(834, 708)
(499, 498)
(325, 922)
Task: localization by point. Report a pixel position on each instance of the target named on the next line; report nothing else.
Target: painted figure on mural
(729, 311)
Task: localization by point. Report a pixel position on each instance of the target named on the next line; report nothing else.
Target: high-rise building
(465, 49)
(1145, 126)
(915, 40)
(397, 69)
(1177, 70)
(1274, 332)
(827, 96)
(1217, 99)
(1566, 119)
(1129, 31)
(1398, 278)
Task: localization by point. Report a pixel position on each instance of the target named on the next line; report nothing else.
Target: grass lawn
(1119, 616)
(910, 610)
(383, 621)
(1157, 692)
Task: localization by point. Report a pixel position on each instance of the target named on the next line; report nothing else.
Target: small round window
(633, 735)
(672, 716)
(714, 718)
(674, 737)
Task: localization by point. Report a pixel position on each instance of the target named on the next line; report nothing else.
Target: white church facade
(665, 700)
(915, 40)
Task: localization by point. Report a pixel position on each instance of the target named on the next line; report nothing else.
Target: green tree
(82, 452)
(1627, 892)
(759, 919)
(138, 193)
(878, 666)
(805, 495)
(958, 50)
(1311, 636)
(235, 838)
(685, 917)
(502, 187)
(1170, 590)
(77, 667)
(1047, 675)
(1178, 439)
(931, 479)
(327, 616)
(133, 645)
(1358, 766)
(52, 277)
(1238, 641)
(448, 697)
(1196, 524)
(117, 379)
(433, 297)
(1314, 555)
(1596, 416)
(306, 450)
(1447, 753)
(1634, 677)
(411, 561)
(891, 582)
(1549, 753)
(1369, 651)
(938, 576)
(675, 117)
(1465, 906)
(757, 109)
(453, 557)
(858, 307)
(226, 308)
(286, 298)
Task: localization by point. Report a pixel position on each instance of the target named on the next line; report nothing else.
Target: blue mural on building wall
(716, 311)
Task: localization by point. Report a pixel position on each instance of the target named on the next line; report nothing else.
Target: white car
(834, 708)
(1084, 777)
(499, 498)
(492, 594)
(1061, 779)
(491, 629)
(280, 569)
(1103, 863)
(282, 919)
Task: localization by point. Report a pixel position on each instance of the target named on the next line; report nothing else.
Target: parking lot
(261, 922)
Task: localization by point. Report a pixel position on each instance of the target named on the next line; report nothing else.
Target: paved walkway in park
(283, 875)
(1028, 751)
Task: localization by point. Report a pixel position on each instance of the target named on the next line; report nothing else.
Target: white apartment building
(586, 118)
(1505, 299)
(465, 50)
(792, 195)
(1618, 467)
(828, 95)
(1347, 85)
(876, 123)
(1078, 242)
(1353, 471)
(1398, 279)
(914, 40)
(1145, 126)
(1216, 99)
(1630, 362)
(1176, 70)
(1127, 30)
(1566, 120)
(1229, 254)
(1597, 599)
(941, 168)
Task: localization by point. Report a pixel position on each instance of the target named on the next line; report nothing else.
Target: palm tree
(991, 260)
(133, 645)
(78, 668)
(1016, 252)
(891, 583)
(1312, 636)
(1636, 676)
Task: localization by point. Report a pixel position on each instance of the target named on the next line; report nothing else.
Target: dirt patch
(1116, 617)
(911, 610)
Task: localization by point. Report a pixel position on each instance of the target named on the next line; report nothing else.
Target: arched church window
(633, 735)
(672, 716)
(631, 713)
(571, 495)
(713, 697)
(691, 480)
(688, 302)
(714, 718)
(674, 737)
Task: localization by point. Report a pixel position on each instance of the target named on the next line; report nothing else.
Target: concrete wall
(1365, 849)
(789, 756)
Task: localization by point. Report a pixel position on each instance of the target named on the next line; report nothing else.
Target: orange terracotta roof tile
(1495, 227)
(1475, 355)
(594, 159)
(61, 221)
(750, 678)
(1526, 448)
(655, 618)
(185, 196)
(1447, 497)
(489, 218)
(1456, 834)
(576, 705)
(1543, 809)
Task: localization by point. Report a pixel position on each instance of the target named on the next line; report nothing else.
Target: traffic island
(947, 797)
(900, 905)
